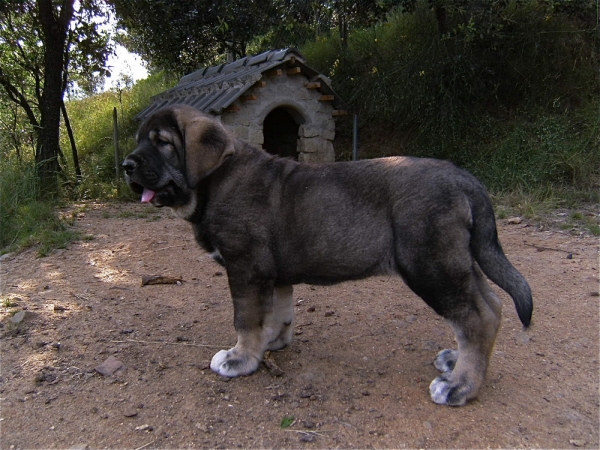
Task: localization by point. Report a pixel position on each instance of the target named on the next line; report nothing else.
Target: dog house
(272, 100)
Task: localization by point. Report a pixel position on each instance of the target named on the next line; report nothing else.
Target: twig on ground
(316, 433)
(145, 445)
(160, 249)
(540, 248)
(136, 341)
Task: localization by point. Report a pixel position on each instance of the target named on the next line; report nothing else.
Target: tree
(41, 43)
(180, 36)
(183, 36)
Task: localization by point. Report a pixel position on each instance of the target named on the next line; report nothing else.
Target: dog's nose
(129, 165)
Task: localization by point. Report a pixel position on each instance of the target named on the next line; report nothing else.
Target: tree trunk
(440, 15)
(343, 26)
(54, 24)
(72, 141)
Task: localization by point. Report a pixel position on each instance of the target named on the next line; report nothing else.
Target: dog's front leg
(252, 304)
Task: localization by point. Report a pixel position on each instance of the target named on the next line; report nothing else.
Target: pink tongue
(147, 195)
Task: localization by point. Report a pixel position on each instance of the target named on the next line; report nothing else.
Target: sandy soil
(356, 375)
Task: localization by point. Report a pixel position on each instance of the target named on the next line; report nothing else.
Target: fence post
(355, 139)
(116, 142)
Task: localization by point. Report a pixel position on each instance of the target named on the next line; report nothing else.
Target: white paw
(234, 363)
(446, 392)
(284, 339)
(446, 360)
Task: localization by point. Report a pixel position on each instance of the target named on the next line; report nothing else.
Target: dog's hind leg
(281, 320)
(475, 326)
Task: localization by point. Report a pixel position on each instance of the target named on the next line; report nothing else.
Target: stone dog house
(272, 100)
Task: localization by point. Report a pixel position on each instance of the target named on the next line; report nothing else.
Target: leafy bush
(558, 151)
(92, 121)
(24, 219)
(511, 96)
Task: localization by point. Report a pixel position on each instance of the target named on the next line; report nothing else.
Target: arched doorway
(280, 130)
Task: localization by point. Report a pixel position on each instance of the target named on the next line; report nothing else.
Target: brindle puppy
(273, 223)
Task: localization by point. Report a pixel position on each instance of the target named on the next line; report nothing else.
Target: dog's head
(178, 146)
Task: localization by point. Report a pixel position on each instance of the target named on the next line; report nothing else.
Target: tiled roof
(215, 88)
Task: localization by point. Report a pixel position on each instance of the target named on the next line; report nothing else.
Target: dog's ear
(206, 144)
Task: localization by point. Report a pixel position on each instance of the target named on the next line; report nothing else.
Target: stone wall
(317, 126)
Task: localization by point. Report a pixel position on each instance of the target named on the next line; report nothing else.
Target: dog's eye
(160, 138)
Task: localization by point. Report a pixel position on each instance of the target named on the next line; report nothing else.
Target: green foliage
(508, 90)
(26, 221)
(92, 122)
(403, 72)
(552, 150)
(287, 421)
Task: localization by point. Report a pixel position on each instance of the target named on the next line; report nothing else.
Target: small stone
(18, 317)
(80, 447)
(307, 437)
(40, 378)
(110, 366)
(515, 220)
(6, 256)
(329, 313)
(311, 309)
(577, 442)
(202, 427)
(411, 318)
(50, 378)
(130, 413)
(523, 338)
(570, 256)
(144, 427)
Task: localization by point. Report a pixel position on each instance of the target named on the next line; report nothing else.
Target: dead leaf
(160, 279)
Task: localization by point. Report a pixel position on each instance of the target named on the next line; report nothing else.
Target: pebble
(307, 437)
(144, 427)
(18, 317)
(523, 338)
(109, 366)
(577, 442)
(515, 220)
(6, 256)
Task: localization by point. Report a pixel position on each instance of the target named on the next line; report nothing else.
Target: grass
(26, 221)
(8, 302)
(556, 209)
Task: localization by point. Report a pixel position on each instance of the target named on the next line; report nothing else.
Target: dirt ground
(356, 375)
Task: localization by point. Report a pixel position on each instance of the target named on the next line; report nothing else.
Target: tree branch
(17, 97)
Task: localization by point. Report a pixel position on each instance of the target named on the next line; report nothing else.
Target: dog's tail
(491, 258)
